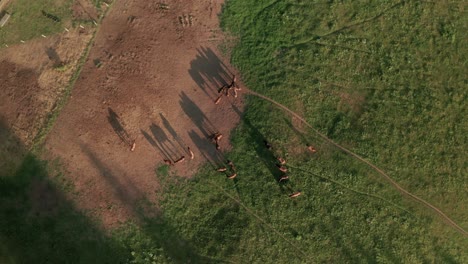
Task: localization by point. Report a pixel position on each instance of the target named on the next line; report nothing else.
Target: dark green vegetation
(27, 20)
(386, 79)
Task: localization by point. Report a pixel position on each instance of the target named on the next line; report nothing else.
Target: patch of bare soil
(84, 10)
(33, 77)
(151, 79)
(352, 102)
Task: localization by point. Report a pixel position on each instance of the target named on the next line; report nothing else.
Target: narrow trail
(377, 169)
(351, 189)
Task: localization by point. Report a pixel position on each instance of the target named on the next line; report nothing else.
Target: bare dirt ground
(151, 78)
(33, 76)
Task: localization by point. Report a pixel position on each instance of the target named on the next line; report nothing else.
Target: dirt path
(151, 78)
(434, 209)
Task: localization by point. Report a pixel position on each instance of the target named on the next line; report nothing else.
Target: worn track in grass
(436, 210)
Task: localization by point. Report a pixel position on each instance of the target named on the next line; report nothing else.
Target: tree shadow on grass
(38, 224)
(209, 72)
(258, 144)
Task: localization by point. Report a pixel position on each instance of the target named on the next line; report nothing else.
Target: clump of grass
(62, 67)
(163, 171)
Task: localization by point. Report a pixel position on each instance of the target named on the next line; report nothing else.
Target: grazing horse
(215, 138)
(218, 99)
(231, 164)
(294, 195)
(191, 153)
(281, 160)
(311, 148)
(222, 169)
(282, 168)
(283, 178)
(225, 89)
(179, 160)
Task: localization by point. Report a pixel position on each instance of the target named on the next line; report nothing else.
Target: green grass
(408, 89)
(28, 22)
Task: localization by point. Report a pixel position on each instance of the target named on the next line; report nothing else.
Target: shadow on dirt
(114, 121)
(162, 143)
(37, 223)
(122, 187)
(156, 145)
(152, 222)
(54, 57)
(197, 116)
(207, 150)
(173, 133)
(202, 142)
(209, 72)
(165, 144)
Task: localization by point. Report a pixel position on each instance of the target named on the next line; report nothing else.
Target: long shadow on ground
(196, 115)
(37, 223)
(162, 234)
(114, 121)
(209, 72)
(266, 155)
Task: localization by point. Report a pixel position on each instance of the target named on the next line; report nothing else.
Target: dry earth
(33, 76)
(151, 78)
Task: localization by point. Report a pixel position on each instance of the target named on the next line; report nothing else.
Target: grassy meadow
(28, 22)
(386, 79)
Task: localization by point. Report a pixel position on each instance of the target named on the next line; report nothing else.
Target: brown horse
(179, 160)
(222, 169)
(192, 156)
(294, 195)
(283, 178)
(281, 160)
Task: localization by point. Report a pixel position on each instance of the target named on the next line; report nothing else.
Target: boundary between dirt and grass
(436, 210)
(63, 99)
